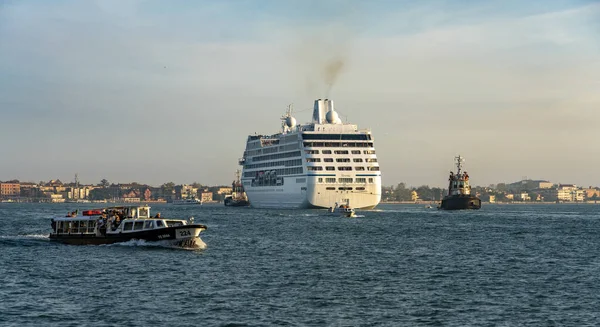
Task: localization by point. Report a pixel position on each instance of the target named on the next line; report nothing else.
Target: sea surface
(399, 265)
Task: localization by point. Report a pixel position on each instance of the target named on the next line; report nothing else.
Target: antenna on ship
(459, 162)
(288, 122)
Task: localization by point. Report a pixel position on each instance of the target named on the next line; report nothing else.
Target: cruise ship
(313, 165)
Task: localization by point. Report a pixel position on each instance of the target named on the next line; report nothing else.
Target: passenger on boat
(157, 215)
(116, 222)
(102, 225)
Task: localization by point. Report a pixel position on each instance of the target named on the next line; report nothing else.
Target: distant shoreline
(501, 203)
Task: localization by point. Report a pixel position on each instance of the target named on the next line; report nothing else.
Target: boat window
(143, 213)
(358, 160)
(330, 168)
(355, 151)
(326, 151)
(138, 225)
(371, 180)
(361, 180)
(344, 188)
(159, 223)
(329, 180)
(320, 180)
(345, 180)
(128, 225)
(328, 159)
(174, 223)
(360, 188)
(345, 168)
(330, 188)
(148, 224)
(359, 168)
(91, 226)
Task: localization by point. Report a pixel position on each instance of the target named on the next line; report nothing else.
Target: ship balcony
(241, 161)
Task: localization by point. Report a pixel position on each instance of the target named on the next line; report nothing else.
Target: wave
(26, 236)
(24, 240)
(199, 245)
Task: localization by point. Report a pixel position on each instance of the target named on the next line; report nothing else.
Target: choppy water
(401, 265)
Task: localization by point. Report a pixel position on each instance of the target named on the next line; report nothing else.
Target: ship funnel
(319, 111)
(332, 116)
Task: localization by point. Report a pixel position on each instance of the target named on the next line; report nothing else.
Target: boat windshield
(174, 223)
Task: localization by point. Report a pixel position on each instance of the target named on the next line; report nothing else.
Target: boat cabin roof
(125, 212)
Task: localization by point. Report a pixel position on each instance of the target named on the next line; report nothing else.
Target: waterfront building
(10, 189)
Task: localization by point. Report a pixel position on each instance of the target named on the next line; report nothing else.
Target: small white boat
(187, 201)
(344, 210)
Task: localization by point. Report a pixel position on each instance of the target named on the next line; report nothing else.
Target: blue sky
(157, 91)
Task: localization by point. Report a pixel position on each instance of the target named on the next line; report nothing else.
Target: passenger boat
(187, 201)
(122, 224)
(459, 191)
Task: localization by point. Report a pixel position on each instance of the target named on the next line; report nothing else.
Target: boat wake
(198, 244)
(24, 240)
(25, 236)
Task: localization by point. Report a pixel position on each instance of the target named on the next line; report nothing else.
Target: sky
(161, 91)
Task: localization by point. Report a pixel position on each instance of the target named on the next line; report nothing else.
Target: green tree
(401, 193)
(104, 183)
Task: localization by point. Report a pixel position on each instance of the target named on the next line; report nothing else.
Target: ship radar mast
(459, 163)
(288, 122)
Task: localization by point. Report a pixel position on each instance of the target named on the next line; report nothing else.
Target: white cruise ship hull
(309, 195)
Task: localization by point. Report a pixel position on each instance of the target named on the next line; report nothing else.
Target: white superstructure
(314, 165)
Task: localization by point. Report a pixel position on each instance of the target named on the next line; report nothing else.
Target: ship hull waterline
(467, 202)
(187, 236)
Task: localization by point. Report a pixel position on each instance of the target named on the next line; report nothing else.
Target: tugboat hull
(460, 203)
(235, 203)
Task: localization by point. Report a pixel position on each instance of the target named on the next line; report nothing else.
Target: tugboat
(122, 224)
(238, 197)
(459, 191)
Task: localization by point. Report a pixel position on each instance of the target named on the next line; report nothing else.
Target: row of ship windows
(287, 163)
(341, 160)
(343, 168)
(345, 180)
(339, 144)
(281, 148)
(339, 151)
(321, 136)
(276, 172)
(344, 188)
(277, 156)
